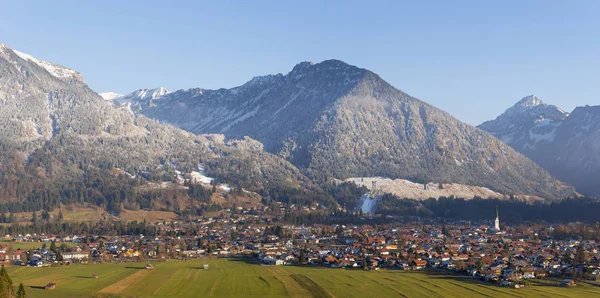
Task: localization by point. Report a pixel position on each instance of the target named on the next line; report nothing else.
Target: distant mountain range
(335, 120)
(285, 137)
(566, 144)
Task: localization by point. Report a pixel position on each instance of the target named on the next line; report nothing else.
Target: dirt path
(123, 284)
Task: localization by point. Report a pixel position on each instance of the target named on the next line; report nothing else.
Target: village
(489, 253)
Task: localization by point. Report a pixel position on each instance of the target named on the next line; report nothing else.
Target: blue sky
(473, 59)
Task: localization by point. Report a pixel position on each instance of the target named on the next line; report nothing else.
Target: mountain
(567, 145)
(62, 143)
(110, 95)
(528, 125)
(58, 71)
(335, 120)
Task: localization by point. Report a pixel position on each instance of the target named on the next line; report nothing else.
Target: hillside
(334, 120)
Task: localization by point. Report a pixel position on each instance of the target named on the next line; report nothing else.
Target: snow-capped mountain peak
(110, 95)
(144, 95)
(568, 145)
(527, 124)
(148, 94)
(530, 101)
(142, 98)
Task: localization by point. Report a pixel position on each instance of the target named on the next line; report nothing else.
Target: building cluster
(508, 257)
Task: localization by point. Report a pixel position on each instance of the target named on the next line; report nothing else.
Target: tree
(21, 291)
(445, 231)
(33, 217)
(45, 215)
(567, 256)
(479, 265)
(580, 255)
(6, 285)
(59, 257)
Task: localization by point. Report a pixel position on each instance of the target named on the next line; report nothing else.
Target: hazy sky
(473, 59)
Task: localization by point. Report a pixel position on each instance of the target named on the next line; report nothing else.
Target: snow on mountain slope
(567, 145)
(142, 98)
(526, 124)
(55, 70)
(110, 95)
(410, 190)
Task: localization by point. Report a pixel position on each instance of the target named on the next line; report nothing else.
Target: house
(18, 255)
(50, 286)
(74, 255)
(418, 264)
(528, 273)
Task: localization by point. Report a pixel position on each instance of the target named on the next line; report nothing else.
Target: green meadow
(31, 245)
(237, 278)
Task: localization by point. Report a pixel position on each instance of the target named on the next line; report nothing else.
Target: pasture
(237, 278)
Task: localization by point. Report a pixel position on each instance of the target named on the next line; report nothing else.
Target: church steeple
(497, 221)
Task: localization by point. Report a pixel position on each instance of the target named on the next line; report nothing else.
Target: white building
(497, 222)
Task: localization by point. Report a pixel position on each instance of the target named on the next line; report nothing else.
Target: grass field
(236, 278)
(31, 245)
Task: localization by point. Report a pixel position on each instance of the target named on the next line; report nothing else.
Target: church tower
(497, 221)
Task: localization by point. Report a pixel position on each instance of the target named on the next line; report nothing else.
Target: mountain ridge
(566, 144)
(335, 120)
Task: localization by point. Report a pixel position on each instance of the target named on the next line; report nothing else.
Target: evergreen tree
(45, 215)
(21, 291)
(33, 217)
(6, 284)
(580, 255)
(59, 257)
